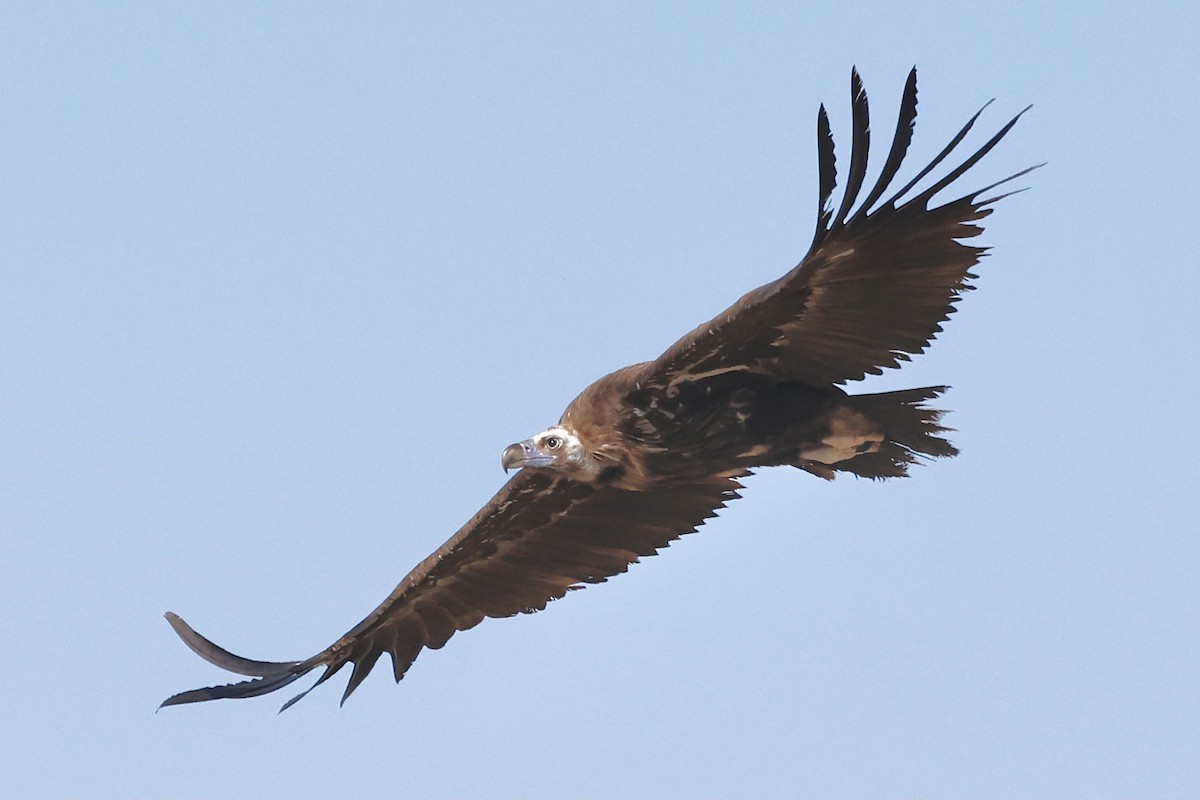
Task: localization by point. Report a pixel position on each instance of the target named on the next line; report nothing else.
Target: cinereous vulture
(648, 453)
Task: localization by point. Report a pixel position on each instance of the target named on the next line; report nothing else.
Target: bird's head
(554, 448)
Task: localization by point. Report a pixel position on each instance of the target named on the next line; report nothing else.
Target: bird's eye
(553, 442)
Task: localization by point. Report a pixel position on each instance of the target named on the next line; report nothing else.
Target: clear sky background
(280, 282)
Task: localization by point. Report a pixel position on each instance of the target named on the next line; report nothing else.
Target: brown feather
(666, 442)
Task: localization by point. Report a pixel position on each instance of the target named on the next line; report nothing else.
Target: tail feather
(910, 428)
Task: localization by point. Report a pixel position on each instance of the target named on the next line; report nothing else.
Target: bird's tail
(908, 429)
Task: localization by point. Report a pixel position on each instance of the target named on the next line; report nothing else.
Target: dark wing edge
(876, 283)
(268, 675)
(541, 536)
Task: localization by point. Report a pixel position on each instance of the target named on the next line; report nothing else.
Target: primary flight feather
(650, 452)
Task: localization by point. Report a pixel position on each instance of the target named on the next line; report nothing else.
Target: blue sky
(266, 324)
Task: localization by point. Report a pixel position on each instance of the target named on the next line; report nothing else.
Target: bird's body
(649, 452)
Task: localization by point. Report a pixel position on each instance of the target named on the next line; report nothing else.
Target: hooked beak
(524, 454)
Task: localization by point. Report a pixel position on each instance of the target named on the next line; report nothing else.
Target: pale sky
(270, 309)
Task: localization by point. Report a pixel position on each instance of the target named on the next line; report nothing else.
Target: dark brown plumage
(650, 452)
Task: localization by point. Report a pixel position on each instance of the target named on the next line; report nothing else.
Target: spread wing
(540, 536)
(876, 284)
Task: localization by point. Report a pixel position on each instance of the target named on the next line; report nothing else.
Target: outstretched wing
(876, 284)
(540, 536)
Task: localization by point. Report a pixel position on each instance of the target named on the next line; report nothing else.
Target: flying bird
(650, 452)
